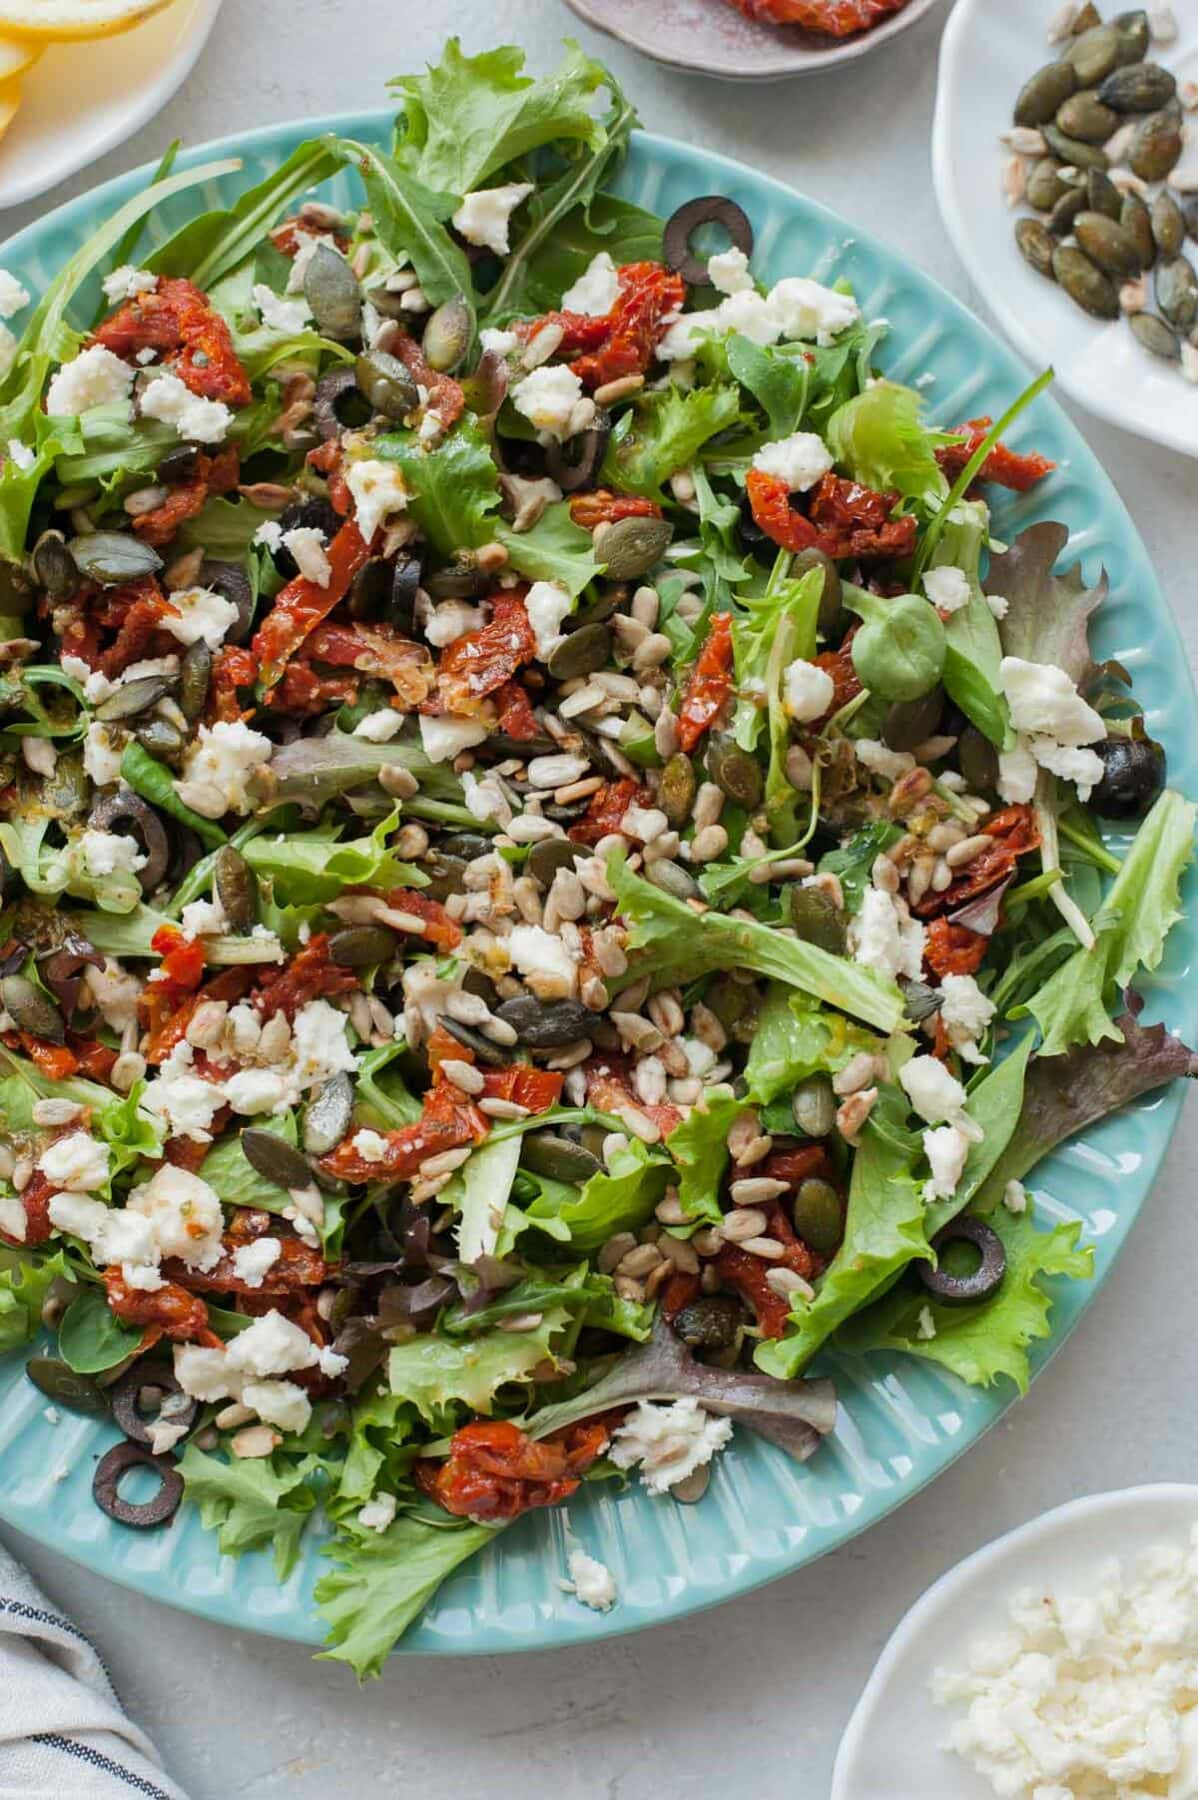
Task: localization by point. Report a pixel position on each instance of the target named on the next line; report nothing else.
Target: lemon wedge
(17, 55)
(51, 21)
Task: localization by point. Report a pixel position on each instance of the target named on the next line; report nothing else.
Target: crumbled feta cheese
(380, 727)
(752, 315)
(307, 545)
(925, 1325)
(500, 343)
(1083, 767)
(800, 460)
(113, 1236)
(378, 1513)
(544, 961)
(728, 270)
(451, 620)
(932, 1091)
(595, 291)
(307, 243)
(371, 1146)
(77, 1162)
(805, 309)
(108, 853)
(880, 759)
(253, 1262)
(319, 1046)
(947, 588)
(998, 605)
(126, 283)
(1016, 774)
(1044, 701)
(946, 1149)
(432, 427)
(590, 1581)
(95, 378)
(547, 603)
(203, 918)
(551, 398)
(683, 337)
(253, 1091)
(966, 1011)
(289, 316)
(445, 738)
(379, 491)
(269, 535)
(8, 350)
(184, 1100)
(1014, 1197)
(115, 992)
(807, 691)
(884, 935)
(668, 1442)
(200, 613)
(20, 455)
(484, 217)
(13, 296)
(171, 401)
(223, 760)
(185, 1214)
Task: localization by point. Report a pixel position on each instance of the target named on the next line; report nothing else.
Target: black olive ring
(125, 1393)
(984, 1281)
(708, 209)
(107, 1480)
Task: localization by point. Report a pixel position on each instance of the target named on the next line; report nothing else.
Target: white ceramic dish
(990, 48)
(890, 1749)
(710, 38)
(80, 100)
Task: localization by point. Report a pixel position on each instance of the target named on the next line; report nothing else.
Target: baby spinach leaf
(777, 379)
(91, 1338)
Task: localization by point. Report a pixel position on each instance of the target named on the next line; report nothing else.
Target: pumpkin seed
(1085, 283)
(1084, 116)
(1102, 196)
(1093, 55)
(1177, 292)
(1072, 150)
(54, 565)
(1139, 88)
(672, 879)
(16, 587)
(546, 1024)
(1044, 185)
(467, 844)
(1156, 148)
(234, 886)
(67, 792)
(162, 740)
(58, 1381)
(679, 785)
(1155, 336)
(548, 855)
(447, 875)
(460, 579)
(32, 1010)
(1043, 92)
(1168, 224)
(1036, 245)
(1107, 244)
(1136, 221)
(327, 1116)
(818, 920)
(734, 771)
(545, 1153)
(275, 1159)
(447, 334)
(1134, 35)
(819, 1215)
(110, 557)
(195, 676)
(814, 1106)
(713, 1323)
(580, 652)
(631, 547)
(978, 760)
(1072, 201)
(331, 290)
(484, 1049)
(362, 946)
(386, 384)
(133, 698)
(1189, 212)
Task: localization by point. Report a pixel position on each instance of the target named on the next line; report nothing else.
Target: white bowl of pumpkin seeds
(1065, 156)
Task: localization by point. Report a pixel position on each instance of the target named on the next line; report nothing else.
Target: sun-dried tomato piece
(35, 1198)
(846, 683)
(609, 1087)
(853, 520)
(482, 661)
(537, 1089)
(953, 949)
(832, 18)
(495, 1471)
(302, 605)
(445, 395)
(1014, 833)
(328, 459)
(185, 1153)
(179, 321)
(176, 1313)
(746, 1273)
(1006, 468)
(448, 1122)
(648, 292)
(167, 1023)
(308, 975)
(606, 808)
(602, 507)
(55, 1061)
(376, 650)
(801, 1164)
(213, 475)
(304, 692)
(94, 1060)
(516, 718)
(285, 237)
(299, 1266)
(679, 1291)
(440, 930)
(233, 667)
(769, 497)
(710, 683)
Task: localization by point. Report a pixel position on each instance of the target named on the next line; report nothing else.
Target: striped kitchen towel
(63, 1732)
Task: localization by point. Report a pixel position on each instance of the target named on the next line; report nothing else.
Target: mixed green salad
(550, 860)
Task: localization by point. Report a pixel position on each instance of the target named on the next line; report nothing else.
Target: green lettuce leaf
(666, 432)
(382, 1089)
(309, 866)
(454, 487)
(880, 439)
(478, 1192)
(311, 771)
(794, 637)
(24, 1283)
(620, 1198)
(210, 246)
(1131, 926)
(854, 860)
(983, 1343)
(777, 378)
(793, 1039)
(699, 1149)
(152, 780)
(434, 1373)
(129, 1132)
(757, 622)
(556, 549)
(973, 649)
(252, 1502)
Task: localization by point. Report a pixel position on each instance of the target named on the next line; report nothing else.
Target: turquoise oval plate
(901, 1422)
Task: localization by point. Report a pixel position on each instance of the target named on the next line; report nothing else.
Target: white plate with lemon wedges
(79, 76)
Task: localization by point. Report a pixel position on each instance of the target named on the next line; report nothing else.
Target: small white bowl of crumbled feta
(1058, 1663)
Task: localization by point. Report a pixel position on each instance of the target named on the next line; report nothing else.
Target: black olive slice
(126, 1395)
(107, 1480)
(710, 209)
(984, 1281)
(576, 463)
(1133, 774)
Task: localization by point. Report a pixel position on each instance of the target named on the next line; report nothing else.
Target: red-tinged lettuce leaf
(1063, 1095)
(793, 1414)
(982, 1343)
(1048, 616)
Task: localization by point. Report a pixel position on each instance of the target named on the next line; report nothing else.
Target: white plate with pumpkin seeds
(990, 49)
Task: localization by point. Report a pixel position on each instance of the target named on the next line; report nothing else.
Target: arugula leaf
(681, 944)
(410, 223)
(853, 861)
(988, 1341)
(620, 1198)
(453, 487)
(723, 563)
(152, 780)
(973, 649)
(628, 233)
(778, 380)
(469, 116)
(392, 1102)
(1139, 911)
(252, 1502)
(210, 246)
(556, 549)
(309, 866)
(880, 438)
(24, 1283)
(667, 431)
(384, 1580)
